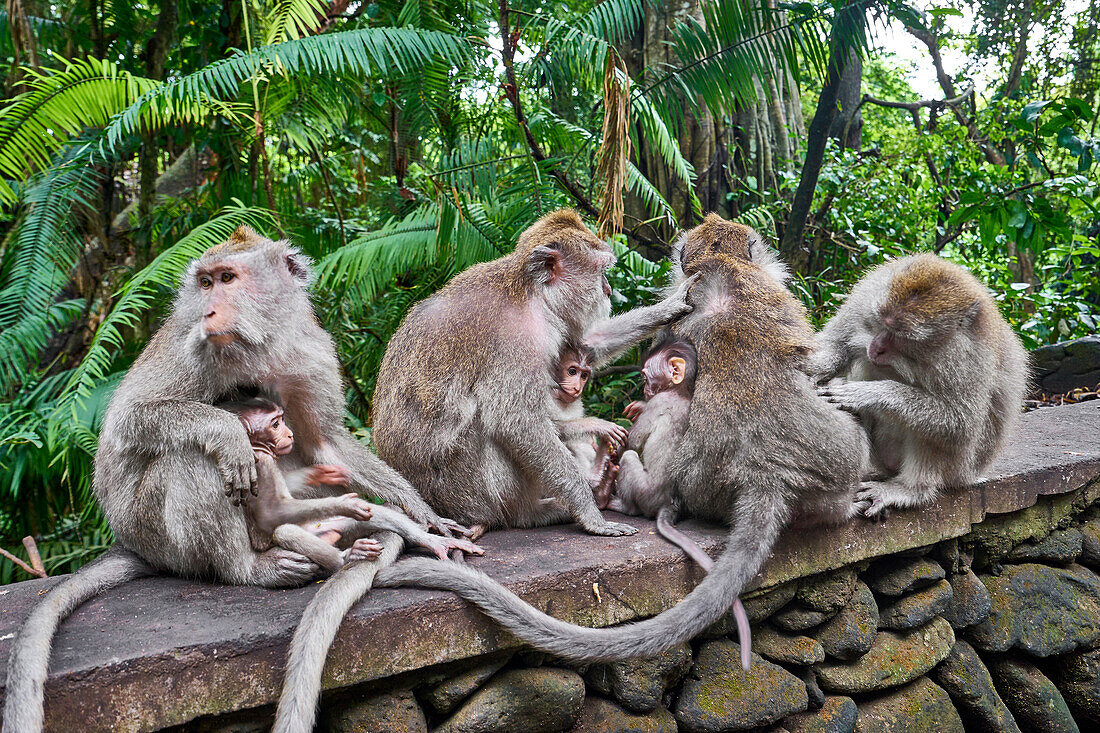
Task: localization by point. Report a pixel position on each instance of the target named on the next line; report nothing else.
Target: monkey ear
(679, 369)
(545, 264)
(299, 266)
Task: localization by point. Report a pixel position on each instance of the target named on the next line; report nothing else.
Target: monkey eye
(572, 371)
(206, 282)
(227, 276)
(275, 423)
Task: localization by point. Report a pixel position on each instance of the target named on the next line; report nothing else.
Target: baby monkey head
(263, 421)
(671, 364)
(574, 371)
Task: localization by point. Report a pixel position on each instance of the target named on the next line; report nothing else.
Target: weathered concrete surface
(158, 652)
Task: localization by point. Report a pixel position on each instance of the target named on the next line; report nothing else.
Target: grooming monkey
(461, 405)
(935, 374)
(761, 449)
(241, 319)
(592, 441)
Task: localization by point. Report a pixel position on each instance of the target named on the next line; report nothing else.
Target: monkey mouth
(219, 338)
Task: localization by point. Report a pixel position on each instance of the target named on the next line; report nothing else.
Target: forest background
(398, 142)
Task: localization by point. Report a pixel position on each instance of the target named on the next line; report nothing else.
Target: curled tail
(321, 620)
(750, 541)
(30, 651)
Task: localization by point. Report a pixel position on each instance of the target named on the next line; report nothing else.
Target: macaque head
(718, 236)
(243, 290)
(926, 303)
(263, 421)
(574, 371)
(671, 364)
(568, 264)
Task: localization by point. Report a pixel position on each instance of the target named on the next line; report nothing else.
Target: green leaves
(58, 105)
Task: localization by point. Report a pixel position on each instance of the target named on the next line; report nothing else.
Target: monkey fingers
(873, 503)
(328, 475)
(351, 505)
(610, 529)
(633, 410)
(363, 548)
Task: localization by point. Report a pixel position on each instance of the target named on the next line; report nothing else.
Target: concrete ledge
(162, 651)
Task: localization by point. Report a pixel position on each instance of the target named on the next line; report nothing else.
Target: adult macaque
(935, 374)
(461, 405)
(592, 441)
(761, 449)
(242, 319)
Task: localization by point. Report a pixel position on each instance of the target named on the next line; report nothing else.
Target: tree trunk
(844, 31)
(847, 127)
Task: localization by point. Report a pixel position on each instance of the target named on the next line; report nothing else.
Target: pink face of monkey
(574, 371)
(266, 428)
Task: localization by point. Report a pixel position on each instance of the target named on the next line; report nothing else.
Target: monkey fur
(761, 449)
(934, 372)
(462, 402)
(241, 319)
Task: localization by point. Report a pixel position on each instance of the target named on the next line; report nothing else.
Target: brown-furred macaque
(921, 354)
(761, 448)
(308, 526)
(592, 441)
(242, 319)
(461, 403)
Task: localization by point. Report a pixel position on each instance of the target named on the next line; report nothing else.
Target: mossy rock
(970, 686)
(921, 706)
(894, 659)
(917, 608)
(850, 633)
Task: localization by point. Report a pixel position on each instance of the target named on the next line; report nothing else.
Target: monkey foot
(872, 504)
(363, 549)
(611, 529)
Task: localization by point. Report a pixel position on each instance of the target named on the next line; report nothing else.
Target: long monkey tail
(297, 709)
(30, 652)
(753, 535)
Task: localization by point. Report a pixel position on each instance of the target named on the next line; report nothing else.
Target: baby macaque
(659, 422)
(315, 527)
(592, 441)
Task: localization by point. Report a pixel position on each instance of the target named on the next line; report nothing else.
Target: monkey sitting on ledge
(592, 441)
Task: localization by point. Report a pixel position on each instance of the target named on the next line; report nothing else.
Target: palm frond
(58, 105)
(365, 51)
(22, 342)
(291, 19)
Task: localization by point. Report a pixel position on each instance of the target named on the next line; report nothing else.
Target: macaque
(592, 441)
(920, 353)
(461, 405)
(761, 448)
(277, 518)
(242, 319)
(668, 374)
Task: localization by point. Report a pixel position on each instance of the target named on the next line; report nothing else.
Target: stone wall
(981, 613)
(1067, 366)
(978, 633)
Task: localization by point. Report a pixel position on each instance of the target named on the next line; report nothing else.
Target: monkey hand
(324, 474)
(237, 464)
(609, 529)
(677, 302)
(851, 396)
(443, 526)
(633, 410)
(442, 547)
(362, 549)
(613, 433)
(872, 502)
(353, 507)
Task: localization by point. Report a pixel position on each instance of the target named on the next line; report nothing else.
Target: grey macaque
(761, 449)
(461, 406)
(920, 352)
(167, 457)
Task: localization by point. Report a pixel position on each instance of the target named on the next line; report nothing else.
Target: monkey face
(280, 435)
(220, 289)
(572, 379)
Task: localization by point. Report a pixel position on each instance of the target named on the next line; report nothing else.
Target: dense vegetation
(400, 141)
